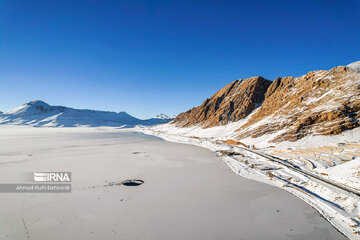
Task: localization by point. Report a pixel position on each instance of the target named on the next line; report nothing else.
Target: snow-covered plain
(188, 192)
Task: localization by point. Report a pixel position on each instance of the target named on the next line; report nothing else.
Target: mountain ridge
(317, 103)
(39, 113)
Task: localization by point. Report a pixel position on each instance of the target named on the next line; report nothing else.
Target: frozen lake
(188, 192)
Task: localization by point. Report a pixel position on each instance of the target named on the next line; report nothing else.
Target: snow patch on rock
(354, 66)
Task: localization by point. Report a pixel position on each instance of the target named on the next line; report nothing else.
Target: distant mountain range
(39, 113)
(164, 117)
(288, 108)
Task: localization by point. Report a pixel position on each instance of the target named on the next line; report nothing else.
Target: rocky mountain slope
(289, 108)
(39, 113)
(231, 103)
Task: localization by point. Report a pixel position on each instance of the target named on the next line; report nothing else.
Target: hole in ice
(132, 182)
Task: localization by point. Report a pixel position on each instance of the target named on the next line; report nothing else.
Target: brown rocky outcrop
(318, 103)
(231, 103)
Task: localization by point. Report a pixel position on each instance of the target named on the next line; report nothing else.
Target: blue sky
(147, 57)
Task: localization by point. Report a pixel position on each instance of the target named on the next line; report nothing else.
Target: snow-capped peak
(31, 108)
(355, 66)
(37, 102)
(163, 116)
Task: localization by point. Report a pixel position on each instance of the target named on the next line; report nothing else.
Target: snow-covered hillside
(39, 113)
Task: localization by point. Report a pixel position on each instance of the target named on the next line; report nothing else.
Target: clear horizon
(152, 57)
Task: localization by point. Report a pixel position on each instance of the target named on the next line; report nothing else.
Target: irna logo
(52, 176)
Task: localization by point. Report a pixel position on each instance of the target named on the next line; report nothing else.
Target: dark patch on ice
(136, 152)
